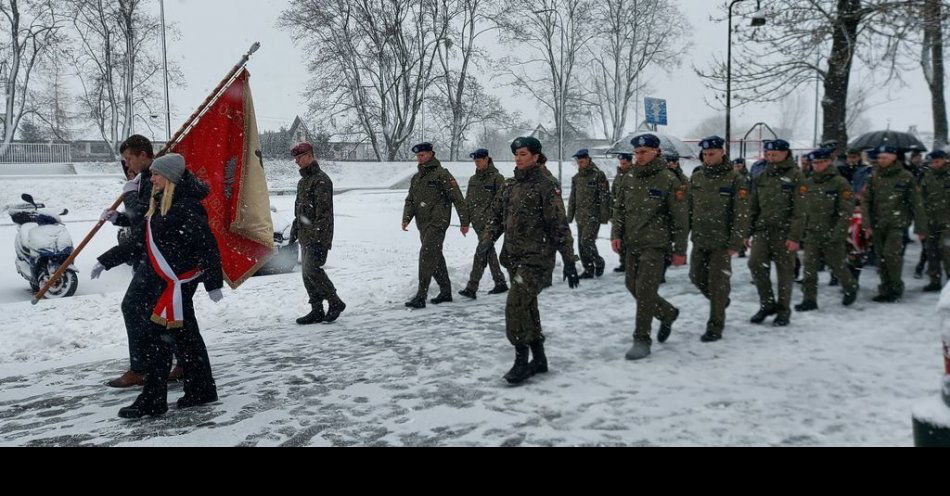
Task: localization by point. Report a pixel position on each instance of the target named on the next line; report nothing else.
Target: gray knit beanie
(172, 166)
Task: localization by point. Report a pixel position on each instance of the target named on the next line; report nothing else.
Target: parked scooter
(42, 245)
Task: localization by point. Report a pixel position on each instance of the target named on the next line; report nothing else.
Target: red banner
(222, 149)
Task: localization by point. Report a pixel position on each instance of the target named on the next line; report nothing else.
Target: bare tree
(773, 62)
(371, 62)
(116, 64)
(550, 37)
(30, 32)
(474, 107)
(458, 56)
(634, 35)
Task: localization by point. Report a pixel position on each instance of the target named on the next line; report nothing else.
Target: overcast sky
(215, 33)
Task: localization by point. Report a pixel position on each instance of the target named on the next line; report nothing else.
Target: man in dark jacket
(313, 227)
(138, 155)
(483, 187)
(432, 193)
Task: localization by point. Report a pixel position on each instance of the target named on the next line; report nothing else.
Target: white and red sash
(169, 312)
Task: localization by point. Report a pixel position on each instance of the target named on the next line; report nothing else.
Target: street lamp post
(559, 102)
(757, 20)
(168, 114)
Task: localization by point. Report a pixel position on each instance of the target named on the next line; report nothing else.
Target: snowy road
(384, 375)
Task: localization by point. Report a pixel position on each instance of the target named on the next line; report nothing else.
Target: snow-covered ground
(384, 375)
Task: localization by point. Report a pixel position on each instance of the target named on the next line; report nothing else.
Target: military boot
(500, 288)
(468, 293)
(600, 267)
(193, 400)
(442, 298)
(807, 306)
(710, 337)
(315, 316)
(666, 328)
(620, 269)
(520, 372)
(886, 298)
(933, 287)
(850, 296)
(336, 308)
(764, 313)
(417, 302)
(781, 321)
(588, 274)
(639, 351)
(539, 362)
(140, 408)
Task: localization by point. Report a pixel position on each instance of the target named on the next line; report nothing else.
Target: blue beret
(480, 153)
(739, 161)
(582, 153)
(938, 154)
(778, 145)
(529, 142)
(672, 157)
(887, 149)
(712, 143)
(872, 154)
(625, 156)
(422, 147)
(645, 141)
(820, 154)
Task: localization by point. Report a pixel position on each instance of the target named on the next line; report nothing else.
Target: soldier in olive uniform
(550, 251)
(313, 227)
(651, 220)
(936, 195)
(590, 205)
(530, 213)
(673, 163)
(739, 165)
(829, 205)
(890, 202)
(483, 187)
(625, 166)
(431, 194)
(776, 227)
(719, 213)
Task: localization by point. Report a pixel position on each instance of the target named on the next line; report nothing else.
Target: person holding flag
(180, 252)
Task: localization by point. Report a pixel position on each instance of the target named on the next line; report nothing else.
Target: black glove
(570, 275)
(293, 234)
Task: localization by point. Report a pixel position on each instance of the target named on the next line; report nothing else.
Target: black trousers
(192, 356)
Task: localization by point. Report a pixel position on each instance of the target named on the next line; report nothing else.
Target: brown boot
(128, 379)
(176, 374)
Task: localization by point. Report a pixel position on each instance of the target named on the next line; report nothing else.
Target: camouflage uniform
(776, 216)
(313, 228)
(432, 192)
(719, 213)
(530, 214)
(590, 205)
(935, 189)
(890, 202)
(829, 205)
(483, 187)
(650, 215)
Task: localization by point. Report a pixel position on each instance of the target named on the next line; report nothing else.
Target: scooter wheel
(65, 287)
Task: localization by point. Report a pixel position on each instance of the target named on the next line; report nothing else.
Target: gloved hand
(293, 234)
(132, 185)
(109, 216)
(96, 271)
(216, 295)
(570, 275)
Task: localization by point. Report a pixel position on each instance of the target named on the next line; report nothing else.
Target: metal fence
(36, 153)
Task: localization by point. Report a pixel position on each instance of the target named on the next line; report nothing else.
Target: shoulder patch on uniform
(681, 194)
(743, 193)
(803, 189)
(847, 194)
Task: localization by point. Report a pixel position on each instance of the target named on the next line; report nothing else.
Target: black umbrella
(903, 141)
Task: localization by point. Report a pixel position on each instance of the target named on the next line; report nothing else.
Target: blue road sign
(655, 110)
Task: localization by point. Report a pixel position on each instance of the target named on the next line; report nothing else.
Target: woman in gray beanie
(181, 253)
